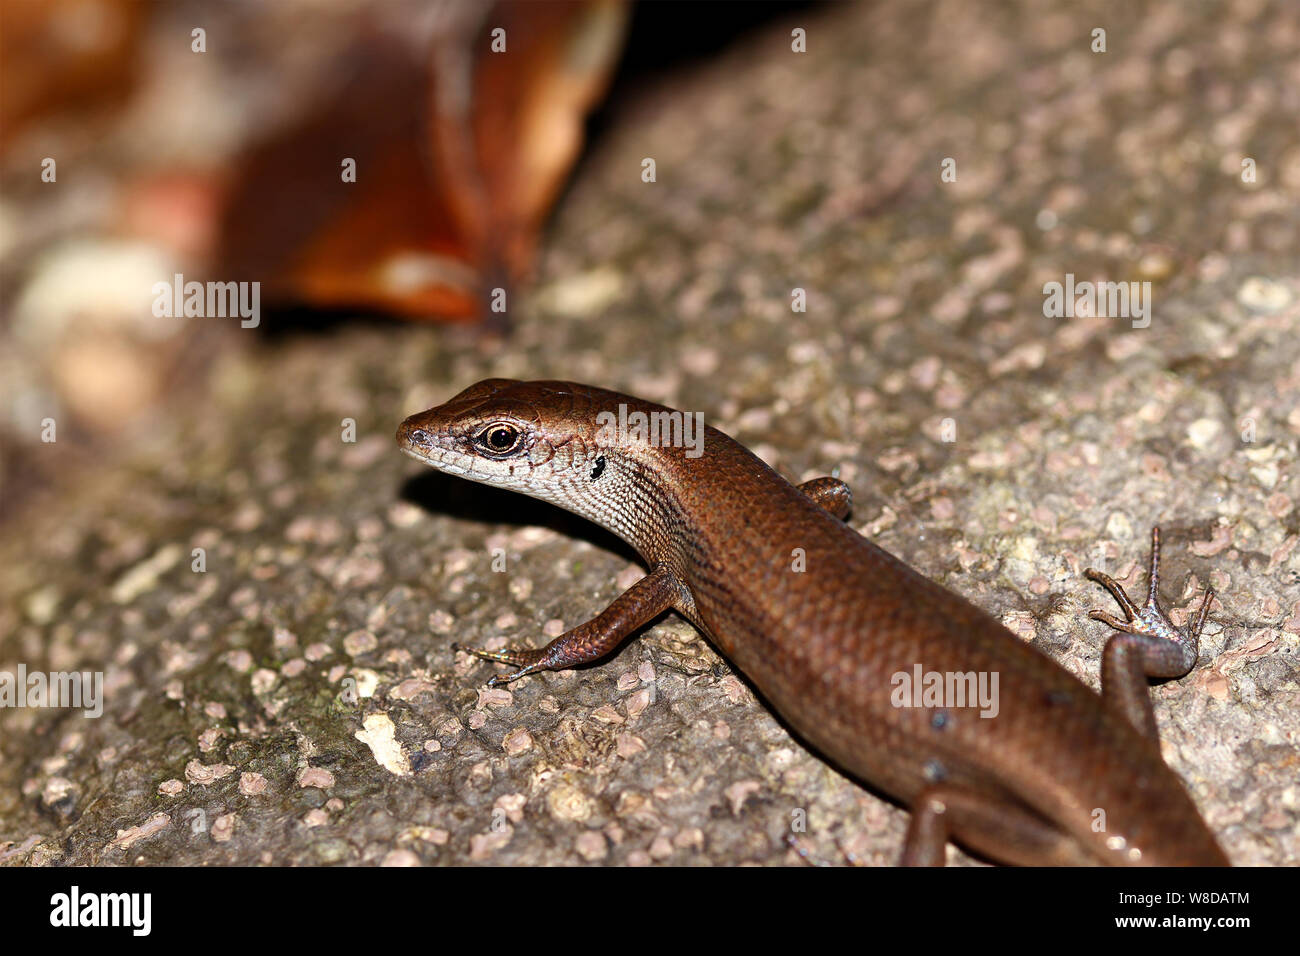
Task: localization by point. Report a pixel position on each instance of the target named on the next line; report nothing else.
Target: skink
(873, 664)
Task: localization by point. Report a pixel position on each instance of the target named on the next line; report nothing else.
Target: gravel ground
(298, 701)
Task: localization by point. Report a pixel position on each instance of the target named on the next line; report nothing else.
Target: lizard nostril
(420, 437)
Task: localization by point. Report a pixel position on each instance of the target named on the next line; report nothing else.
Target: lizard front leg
(591, 640)
(831, 494)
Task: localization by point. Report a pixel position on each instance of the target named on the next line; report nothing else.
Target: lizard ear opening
(599, 468)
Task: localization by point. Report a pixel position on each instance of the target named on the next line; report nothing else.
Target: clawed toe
(526, 662)
(501, 680)
(1202, 614)
(1150, 620)
(1117, 592)
(1110, 619)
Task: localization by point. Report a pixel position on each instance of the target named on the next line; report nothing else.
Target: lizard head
(540, 438)
(597, 453)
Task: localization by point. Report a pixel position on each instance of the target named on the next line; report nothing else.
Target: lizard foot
(1150, 620)
(527, 661)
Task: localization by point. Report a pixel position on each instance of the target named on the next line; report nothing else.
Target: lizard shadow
(455, 497)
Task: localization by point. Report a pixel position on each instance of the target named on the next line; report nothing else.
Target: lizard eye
(499, 438)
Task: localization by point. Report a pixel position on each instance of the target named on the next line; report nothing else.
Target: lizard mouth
(429, 446)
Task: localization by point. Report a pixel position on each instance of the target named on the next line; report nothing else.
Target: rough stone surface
(298, 702)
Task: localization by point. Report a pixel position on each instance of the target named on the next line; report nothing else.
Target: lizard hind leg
(998, 828)
(1149, 645)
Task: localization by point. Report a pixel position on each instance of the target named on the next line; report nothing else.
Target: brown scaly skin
(1058, 776)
